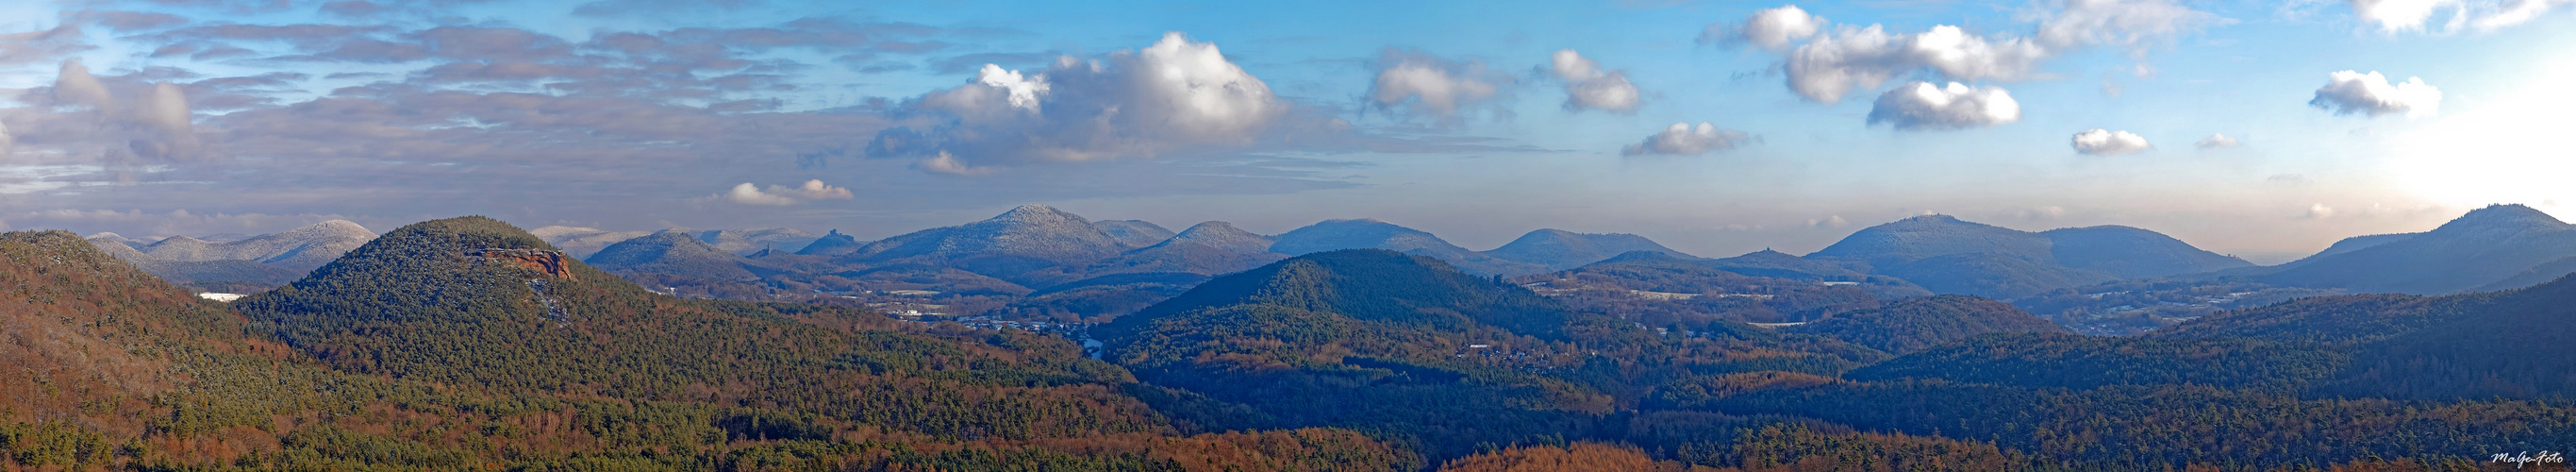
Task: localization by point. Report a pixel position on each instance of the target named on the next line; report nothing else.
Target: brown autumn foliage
(59, 309)
(1581, 457)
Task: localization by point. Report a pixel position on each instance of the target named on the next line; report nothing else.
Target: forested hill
(89, 338)
(1908, 325)
(1377, 285)
(2511, 344)
(1425, 355)
(465, 344)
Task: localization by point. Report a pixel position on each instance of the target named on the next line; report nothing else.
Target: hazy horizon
(2267, 258)
(2261, 130)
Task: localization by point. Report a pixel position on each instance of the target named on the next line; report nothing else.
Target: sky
(2261, 129)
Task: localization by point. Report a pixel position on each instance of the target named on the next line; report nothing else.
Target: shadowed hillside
(2480, 250)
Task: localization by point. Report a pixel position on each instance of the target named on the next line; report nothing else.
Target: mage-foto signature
(2520, 459)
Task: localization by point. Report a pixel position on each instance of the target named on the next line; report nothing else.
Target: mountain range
(259, 261)
(2499, 247)
(582, 242)
(1948, 255)
(2493, 248)
(466, 343)
(1038, 248)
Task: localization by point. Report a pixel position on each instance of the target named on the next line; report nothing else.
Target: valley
(1131, 350)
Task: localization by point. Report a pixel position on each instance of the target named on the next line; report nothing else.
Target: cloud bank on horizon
(150, 117)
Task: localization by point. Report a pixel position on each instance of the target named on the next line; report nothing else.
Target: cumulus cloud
(1923, 106)
(2354, 93)
(1681, 139)
(113, 120)
(426, 116)
(1174, 94)
(1835, 221)
(1861, 58)
(1774, 29)
(1823, 62)
(749, 194)
(2215, 141)
(2102, 142)
(74, 86)
(777, 195)
(1587, 85)
(1020, 92)
(2318, 212)
(2397, 15)
(1427, 84)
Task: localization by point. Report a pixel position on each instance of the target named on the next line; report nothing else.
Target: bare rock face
(549, 262)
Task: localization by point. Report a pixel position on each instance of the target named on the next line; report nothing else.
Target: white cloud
(2396, 16)
(1830, 61)
(1022, 92)
(82, 116)
(1587, 85)
(816, 190)
(1923, 106)
(73, 85)
(1682, 139)
(2516, 12)
(947, 164)
(1862, 58)
(2133, 24)
(2353, 93)
(777, 195)
(1431, 85)
(2215, 141)
(1774, 29)
(1835, 221)
(6, 141)
(2102, 142)
(749, 194)
(1174, 94)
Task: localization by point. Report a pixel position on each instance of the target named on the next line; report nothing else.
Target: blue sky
(1453, 117)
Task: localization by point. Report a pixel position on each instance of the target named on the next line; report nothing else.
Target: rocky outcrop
(549, 262)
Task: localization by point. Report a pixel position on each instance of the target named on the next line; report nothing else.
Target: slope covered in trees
(2479, 249)
(465, 344)
(1410, 349)
(1948, 255)
(1663, 290)
(1912, 324)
